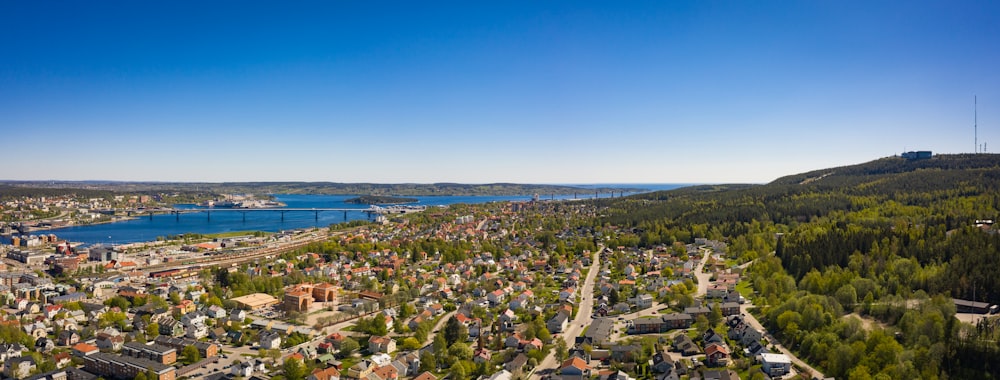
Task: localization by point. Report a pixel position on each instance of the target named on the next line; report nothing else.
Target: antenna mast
(975, 120)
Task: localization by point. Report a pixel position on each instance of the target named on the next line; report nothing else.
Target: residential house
(109, 341)
(567, 294)
(710, 336)
(663, 363)
(171, 327)
(575, 367)
(695, 311)
(482, 355)
(425, 376)
(717, 354)
(361, 370)
(62, 359)
(19, 367)
(84, 349)
(68, 338)
(643, 301)
(624, 354)
(558, 323)
(496, 297)
(716, 291)
(516, 365)
(44, 345)
(507, 320)
(720, 374)
(248, 368)
(330, 373)
(730, 308)
(270, 340)
(683, 344)
(11, 350)
(215, 312)
(775, 365)
(382, 344)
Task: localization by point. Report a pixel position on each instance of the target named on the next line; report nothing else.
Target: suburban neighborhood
(464, 293)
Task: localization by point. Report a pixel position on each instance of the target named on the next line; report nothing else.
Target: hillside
(890, 239)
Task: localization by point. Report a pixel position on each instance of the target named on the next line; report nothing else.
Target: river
(144, 228)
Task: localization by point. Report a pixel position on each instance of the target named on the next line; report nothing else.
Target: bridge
(316, 210)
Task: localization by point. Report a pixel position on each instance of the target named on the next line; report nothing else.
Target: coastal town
(505, 290)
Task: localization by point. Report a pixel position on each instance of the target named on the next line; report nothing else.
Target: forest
(854, 267)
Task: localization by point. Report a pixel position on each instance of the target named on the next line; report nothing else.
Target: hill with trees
(889, 241)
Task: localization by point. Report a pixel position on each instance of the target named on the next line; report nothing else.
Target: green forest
(855, 267)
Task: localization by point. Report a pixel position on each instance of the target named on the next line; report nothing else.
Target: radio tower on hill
(975, 122)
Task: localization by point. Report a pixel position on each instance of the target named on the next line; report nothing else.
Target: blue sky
(473, 92)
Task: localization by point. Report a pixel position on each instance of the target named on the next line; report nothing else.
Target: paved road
(437, 328)
(699, 273)
(583, 317)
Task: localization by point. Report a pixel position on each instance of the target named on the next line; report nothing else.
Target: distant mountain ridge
(326, 188)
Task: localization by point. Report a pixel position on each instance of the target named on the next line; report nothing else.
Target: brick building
(155, 352)
(126, 367)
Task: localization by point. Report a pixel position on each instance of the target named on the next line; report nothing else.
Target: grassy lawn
(349, 362)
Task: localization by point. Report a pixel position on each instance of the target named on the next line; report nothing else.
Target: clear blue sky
(472, 91)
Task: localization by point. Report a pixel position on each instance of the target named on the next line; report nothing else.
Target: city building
(155, 352)
(297, 300)
(127, 367)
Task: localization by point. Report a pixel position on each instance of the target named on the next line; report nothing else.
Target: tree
(294, 369)
(461, 351)
(457, 372)
(613, 297)
(701, 324)
(561, 351)
(175, 298)
(715, 315)
(440, 345)
(543, 333)
(152, 330)
(348, 346)
(410, 343)
(140, 376)
(112, 318)
(427, 362)
(455, 331)
(191, 354)
(423, 328)
(119, 302)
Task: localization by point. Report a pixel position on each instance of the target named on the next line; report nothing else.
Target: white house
(643, 301)
(775, 364)
(270, 341)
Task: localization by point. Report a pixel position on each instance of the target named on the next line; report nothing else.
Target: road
(699, 273)
(583, 316)
(438, 326)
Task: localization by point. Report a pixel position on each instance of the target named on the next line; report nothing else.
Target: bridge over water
(315, 210)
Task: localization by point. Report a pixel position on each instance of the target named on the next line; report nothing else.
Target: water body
(144, 228)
